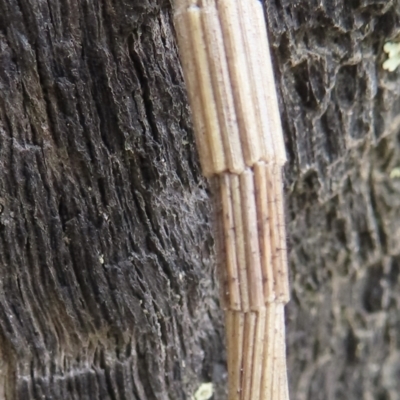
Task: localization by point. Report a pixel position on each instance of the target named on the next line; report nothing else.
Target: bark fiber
(107, 282)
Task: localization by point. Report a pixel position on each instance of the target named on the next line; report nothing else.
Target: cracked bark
(108, 287)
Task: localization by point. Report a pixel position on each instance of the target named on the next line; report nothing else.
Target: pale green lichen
(204, 392)
(393, 52)
(395, 173)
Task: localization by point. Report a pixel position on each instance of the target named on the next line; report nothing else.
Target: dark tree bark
(108, 284)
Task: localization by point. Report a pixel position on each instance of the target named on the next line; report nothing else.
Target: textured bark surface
(108, 288)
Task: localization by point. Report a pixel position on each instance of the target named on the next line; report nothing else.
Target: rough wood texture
(107, 285)
(105, 249)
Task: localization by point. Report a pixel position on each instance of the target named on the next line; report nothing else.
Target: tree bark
(108, 284)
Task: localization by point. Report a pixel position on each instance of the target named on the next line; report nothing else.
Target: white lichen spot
(101, 259)
(393, 52)
(395, 173)
(204, 392)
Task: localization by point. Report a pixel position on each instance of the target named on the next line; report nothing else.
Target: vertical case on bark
(227, 68)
